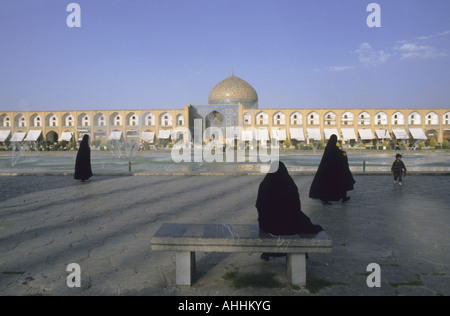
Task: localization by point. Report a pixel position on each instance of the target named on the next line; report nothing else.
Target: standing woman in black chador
(279, 207)
(83, 169)
(333, 178)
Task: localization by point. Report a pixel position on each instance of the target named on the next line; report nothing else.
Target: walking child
(398, 169)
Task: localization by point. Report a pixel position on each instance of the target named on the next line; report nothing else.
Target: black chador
(279, 206)
(83, 169)
(333, 177)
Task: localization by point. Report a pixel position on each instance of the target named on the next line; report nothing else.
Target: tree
(433, 142)
(321, 144)
(445, 144)
(287, 143)
(385, 144)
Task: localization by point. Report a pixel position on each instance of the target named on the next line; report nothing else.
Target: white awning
(330, 131)
(382, 134)
(297, 133)
(314, 133)
(33, 136)
(148, 137)
(247, 135)
(4, 135)
(18, 137)
(262, 134)
(365, 134)
(279, 134)
(400, 133)
(417, 133)
(115, 136)
(66, 136)
(165, 134)
(348, 133)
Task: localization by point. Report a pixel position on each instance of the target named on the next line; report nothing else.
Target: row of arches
(330, 118)
(99, 119)
(347, 118)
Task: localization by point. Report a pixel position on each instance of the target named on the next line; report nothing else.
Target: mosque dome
(234, 90)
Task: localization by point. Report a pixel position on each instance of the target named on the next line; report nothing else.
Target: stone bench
(186, 239)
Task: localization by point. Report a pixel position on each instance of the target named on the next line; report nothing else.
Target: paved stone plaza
(105, 226)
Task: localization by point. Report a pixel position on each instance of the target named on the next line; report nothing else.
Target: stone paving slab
(105, 226)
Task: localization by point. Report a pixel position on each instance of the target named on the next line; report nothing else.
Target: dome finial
(232, 72)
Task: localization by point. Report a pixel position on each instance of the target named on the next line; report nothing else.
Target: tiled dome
(233, 90)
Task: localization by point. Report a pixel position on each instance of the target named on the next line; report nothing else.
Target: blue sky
(137, 54)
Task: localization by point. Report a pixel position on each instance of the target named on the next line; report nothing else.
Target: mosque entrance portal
(214, 119)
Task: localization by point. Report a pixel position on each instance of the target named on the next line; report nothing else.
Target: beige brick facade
(100, 124)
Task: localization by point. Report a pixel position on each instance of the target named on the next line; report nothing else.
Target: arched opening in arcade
(214, 120)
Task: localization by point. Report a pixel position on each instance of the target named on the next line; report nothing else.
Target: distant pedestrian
(333, 177)
(83, 170)
(398, 169)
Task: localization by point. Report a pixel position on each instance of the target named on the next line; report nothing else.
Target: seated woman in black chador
(83, 169)
(279, 206)
(333, 178)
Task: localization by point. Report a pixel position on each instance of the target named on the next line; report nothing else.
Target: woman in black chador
(83, 169)
(279, 206)
(333, 178)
